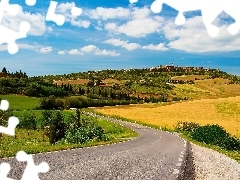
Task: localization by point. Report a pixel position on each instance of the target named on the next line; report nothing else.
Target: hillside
(118, 87)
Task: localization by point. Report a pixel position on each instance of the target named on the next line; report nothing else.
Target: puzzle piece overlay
(58, 18)
(210, 10)
(31, 171)
(12, 121)
(9, 36)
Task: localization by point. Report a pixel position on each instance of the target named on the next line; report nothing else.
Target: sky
(116, 34)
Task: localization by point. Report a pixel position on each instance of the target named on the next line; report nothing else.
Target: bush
(4, 116)
(51, 102)
(57, 127)
(87, 130)
(231, 143)
(28, 120)
(216, 135)
(210, 134)
(186, 126)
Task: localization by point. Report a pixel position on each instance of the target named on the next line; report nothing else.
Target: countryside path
(153, 155)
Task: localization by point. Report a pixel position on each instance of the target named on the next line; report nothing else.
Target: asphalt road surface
(153, 155)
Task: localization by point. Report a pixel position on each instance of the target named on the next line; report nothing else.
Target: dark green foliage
(231, 143)
(28, 120)
(4, 115)
(209, 134)
(57, 127)
(51, 102)
(79, 102)
(87, 130)
(216, 135)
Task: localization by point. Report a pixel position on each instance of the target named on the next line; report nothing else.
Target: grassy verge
(232, 154)
(32, 141)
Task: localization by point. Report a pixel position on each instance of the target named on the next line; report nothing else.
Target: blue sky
(116, 35)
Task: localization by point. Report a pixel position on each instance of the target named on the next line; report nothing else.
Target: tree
(57, 127)
(4, 70)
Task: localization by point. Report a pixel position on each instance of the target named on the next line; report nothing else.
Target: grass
(21, 102)
(232, 154)
(33, 142)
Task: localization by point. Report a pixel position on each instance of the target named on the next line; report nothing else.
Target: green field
(32, 141)
(18, 102)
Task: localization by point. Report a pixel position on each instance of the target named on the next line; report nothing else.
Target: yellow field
(222, 111)
(208, 88)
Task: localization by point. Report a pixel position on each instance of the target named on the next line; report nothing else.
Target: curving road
(153, 155)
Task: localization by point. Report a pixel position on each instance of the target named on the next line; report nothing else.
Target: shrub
(186, 126)
(216, 135)
(4, 115)
(28, 120)
(83, 132)
(210, 134)
(231, 143)
(57, 127)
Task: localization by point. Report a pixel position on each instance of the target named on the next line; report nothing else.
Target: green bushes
(52, 102)
(212, 134)
(81, 130)
(28, 120)
(216, 135)
(57, 127)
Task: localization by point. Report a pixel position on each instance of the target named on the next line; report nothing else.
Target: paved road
(153, 155)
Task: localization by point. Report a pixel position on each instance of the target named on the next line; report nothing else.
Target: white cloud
(89, 48)
(111, 26)
(132, 46)
(158, 47)
(37, 22)
(61, 52)
(45, 49)
(65, 9)
(140, 24)
(116, 42)
(75, 52)
(193, 37)
(108, 13)
(80, 23)
(106, 53)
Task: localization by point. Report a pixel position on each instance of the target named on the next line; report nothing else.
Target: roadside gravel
(211, 165)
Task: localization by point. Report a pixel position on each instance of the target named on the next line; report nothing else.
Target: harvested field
(208, 88)
(190, 77)
(222, 111)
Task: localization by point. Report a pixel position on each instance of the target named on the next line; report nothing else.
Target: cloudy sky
(116, 35)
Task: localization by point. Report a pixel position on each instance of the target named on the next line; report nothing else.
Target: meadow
(19, 102)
